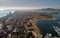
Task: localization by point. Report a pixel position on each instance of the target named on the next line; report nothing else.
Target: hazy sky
(30, 3)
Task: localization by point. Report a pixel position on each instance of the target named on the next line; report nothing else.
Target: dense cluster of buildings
(23, 25)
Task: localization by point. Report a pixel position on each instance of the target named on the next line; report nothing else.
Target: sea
(4, 13)
(49, 26)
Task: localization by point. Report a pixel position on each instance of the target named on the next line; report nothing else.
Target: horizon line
(3, 8)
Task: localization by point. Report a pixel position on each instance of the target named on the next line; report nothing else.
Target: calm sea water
(56, 16)
(47, 26)
(4, 13)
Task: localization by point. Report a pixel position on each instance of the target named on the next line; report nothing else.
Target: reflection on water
(56, 16)
(4, 13)
(46, 26)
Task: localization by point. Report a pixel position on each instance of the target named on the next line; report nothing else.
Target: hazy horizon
(29, 4)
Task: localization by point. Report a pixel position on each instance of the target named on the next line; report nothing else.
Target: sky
(25, 4)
